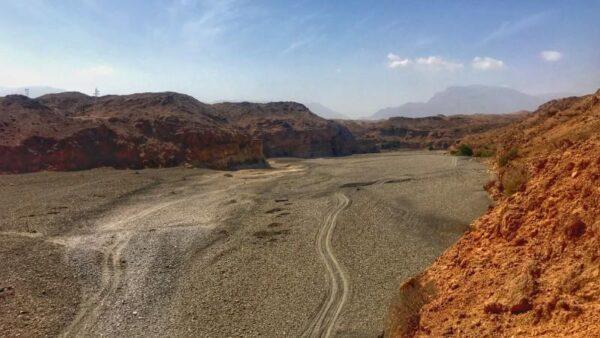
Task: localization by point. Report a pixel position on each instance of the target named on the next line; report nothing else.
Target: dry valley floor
(306, 248)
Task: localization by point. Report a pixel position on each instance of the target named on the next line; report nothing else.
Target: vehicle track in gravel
(111, 272)
(121, 225)
(323, 323)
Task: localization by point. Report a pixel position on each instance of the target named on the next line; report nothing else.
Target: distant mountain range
(34, 91)
(325, 112)
(468, 100)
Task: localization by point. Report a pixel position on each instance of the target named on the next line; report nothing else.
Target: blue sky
(353, 56)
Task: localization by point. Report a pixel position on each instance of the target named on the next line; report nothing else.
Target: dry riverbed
(309, 247)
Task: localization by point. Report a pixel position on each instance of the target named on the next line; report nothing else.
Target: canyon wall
(531, 265)
(289, 129)
(433, 132)
(71, 131)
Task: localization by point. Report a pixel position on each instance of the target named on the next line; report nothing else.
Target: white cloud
(101, 70)
(436, 63)
(429, 63)
(486, 63)
(395, 61)
(551, 55)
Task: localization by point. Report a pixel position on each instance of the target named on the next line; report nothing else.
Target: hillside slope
(436, 132)
(289, 129)
(530, 265)
(71, 131)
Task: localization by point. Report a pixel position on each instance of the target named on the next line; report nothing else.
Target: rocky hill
(435, 132)
(289, 129)
(71, 131)
(531, 265)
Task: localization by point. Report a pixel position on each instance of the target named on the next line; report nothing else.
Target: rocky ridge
(531, 265)
(289, 129)
(72, 131)
(434, 132)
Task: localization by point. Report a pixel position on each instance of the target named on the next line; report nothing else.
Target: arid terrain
(307, 247)
(313, 169)
(74, 131)
(432, 132)
(531, 265)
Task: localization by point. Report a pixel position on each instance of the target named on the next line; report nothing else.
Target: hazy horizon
(352, 57)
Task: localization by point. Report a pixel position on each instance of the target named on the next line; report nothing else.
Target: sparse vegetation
(514, 178)
(464, 150)
(484, 153)
(508, 156)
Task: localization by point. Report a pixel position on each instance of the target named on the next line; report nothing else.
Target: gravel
(192, 252)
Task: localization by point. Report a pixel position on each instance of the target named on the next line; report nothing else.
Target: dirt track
(323, 323)
(310, 246)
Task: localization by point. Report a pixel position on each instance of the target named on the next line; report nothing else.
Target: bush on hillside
(464, 150)
(513, 179)
(508, 156)
(484, 153)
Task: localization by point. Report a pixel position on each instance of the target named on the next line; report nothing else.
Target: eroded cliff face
(289, 129)
(434, 132)
(72, 131)
(531, 265)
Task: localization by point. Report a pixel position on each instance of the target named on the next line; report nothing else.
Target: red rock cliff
(531, 265)
(72, 131)
(289, 129)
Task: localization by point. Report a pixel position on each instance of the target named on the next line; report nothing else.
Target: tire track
(323, 323)
(122, 229)
(111, 276)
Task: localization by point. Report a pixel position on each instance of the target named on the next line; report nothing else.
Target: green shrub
(464, 150)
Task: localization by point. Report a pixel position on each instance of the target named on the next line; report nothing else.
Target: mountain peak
(472, 99)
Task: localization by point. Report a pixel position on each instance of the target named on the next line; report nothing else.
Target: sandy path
(111, 274)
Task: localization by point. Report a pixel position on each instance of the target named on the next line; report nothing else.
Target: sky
(352, 56)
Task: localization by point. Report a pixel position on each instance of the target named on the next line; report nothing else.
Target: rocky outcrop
(531, 265)
(289, 129)
(434, 132)
(73, 131)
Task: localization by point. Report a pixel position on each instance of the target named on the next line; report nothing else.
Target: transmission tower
(27, 92)
(96, 92)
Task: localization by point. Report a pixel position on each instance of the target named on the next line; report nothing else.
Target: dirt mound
(531, 264)
(289, 129)
(436, 132)
(71, 131)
